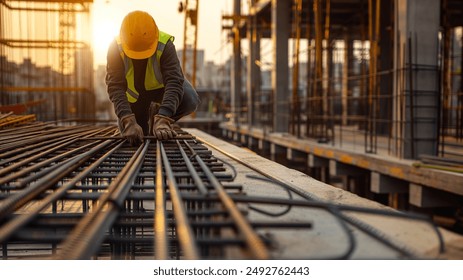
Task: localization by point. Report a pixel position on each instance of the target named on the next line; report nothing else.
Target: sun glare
(103, 34)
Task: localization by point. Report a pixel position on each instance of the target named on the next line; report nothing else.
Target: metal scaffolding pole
(296, 107)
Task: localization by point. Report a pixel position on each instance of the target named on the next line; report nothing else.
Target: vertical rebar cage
(359, 76)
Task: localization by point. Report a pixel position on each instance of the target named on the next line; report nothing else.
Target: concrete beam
(386, 184)
(313, 161)
(277, 149)
(341, 169)
(296, 159)
(394, 167)
(426, 197)
(296, 155)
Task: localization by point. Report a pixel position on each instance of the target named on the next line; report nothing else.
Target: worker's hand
(162, 128)
(131, 130)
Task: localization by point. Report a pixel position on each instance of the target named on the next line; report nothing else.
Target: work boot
(153, 111)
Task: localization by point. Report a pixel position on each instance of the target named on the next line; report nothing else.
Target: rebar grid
(82, 192)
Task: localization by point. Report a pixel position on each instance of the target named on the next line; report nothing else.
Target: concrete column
(296, 159)
(253, 143)
(416, 29)
(280, 35)
(253, 79)
(264, 147)
(278, 153)
(235, 98)
(385, 63)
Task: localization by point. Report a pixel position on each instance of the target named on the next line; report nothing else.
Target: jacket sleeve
(115, 81)
(172, 76)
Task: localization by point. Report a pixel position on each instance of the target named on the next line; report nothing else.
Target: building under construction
(382, 85)
(354, 150)
(46, 59)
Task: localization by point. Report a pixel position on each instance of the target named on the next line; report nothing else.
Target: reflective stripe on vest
(153, 75)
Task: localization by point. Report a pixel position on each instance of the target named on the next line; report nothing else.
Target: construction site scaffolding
(46, 60)
(355, 79)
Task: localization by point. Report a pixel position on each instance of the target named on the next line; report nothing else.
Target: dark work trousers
(188, 104)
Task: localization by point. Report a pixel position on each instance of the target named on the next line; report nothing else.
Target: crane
(190, 38)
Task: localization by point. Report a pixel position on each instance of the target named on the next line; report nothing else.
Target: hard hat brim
(139, 54)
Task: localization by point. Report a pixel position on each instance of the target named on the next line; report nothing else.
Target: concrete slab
(381, 162)
(327, 239)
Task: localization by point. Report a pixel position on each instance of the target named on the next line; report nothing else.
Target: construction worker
(145, 81)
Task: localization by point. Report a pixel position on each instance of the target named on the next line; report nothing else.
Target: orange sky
(108, 14)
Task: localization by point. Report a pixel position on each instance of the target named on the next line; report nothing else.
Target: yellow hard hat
(139, 35)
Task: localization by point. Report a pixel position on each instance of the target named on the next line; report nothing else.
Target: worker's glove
(162, 128)
(131, 130)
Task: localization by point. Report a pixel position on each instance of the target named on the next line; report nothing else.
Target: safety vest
(153, 75)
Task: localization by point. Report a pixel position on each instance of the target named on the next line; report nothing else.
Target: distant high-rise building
(188, 71)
